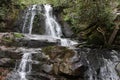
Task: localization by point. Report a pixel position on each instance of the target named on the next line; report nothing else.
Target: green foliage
(29, 2)
(9, 10)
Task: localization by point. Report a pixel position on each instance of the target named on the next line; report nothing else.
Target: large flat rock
(26, 40)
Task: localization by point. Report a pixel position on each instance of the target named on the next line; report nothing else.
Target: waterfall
(30, 12)
(106, 70)
(52, 26)
(25, 65)
(24, 68)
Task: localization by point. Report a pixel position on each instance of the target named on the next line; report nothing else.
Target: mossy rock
(58, 52)
(7, 39)
(18, 35)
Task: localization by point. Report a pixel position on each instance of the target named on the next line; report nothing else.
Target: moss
(11, 39)
(38, 24)
(7, 39)
(18, 35)
(58, 51)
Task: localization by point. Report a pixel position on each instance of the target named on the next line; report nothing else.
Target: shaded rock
(67, 31)
(9, 52)
(3, 73)
(118, 68)
(7, 62)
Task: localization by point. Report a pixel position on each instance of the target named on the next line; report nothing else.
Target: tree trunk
(113, 35)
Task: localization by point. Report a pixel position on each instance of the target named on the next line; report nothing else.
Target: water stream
(25, 66)
(53, 28)
(30, 12)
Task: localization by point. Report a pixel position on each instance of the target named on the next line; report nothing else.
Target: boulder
(9, 52)
(61, 61)
(7, 62)
(67, 31)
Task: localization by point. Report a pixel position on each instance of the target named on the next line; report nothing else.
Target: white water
(54, 29)
(31, 11)
(107, 71)
(24, 25)
(32, 18)
(25, 66)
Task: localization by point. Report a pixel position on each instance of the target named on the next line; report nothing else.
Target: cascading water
(31, 12)
(106, 71)
(54, 29)
(25, 65)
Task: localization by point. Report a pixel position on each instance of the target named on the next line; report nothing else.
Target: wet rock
(118, 68)
(7, 62)
(67, 31)
(9, 52)
(21, 40)
(38, 23)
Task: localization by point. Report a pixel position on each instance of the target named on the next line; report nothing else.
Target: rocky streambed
(54, 62)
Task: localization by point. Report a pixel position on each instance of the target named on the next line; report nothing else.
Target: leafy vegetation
(9, 10)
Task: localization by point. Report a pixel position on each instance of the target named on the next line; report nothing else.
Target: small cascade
(52, 27)
(30, 12)
(25, 66)
(67, 42)
(106, 71)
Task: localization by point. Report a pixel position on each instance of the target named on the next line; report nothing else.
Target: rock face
(21, 40)
(8, 58)
(60, 61)
(38, 23)
(67, 31)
